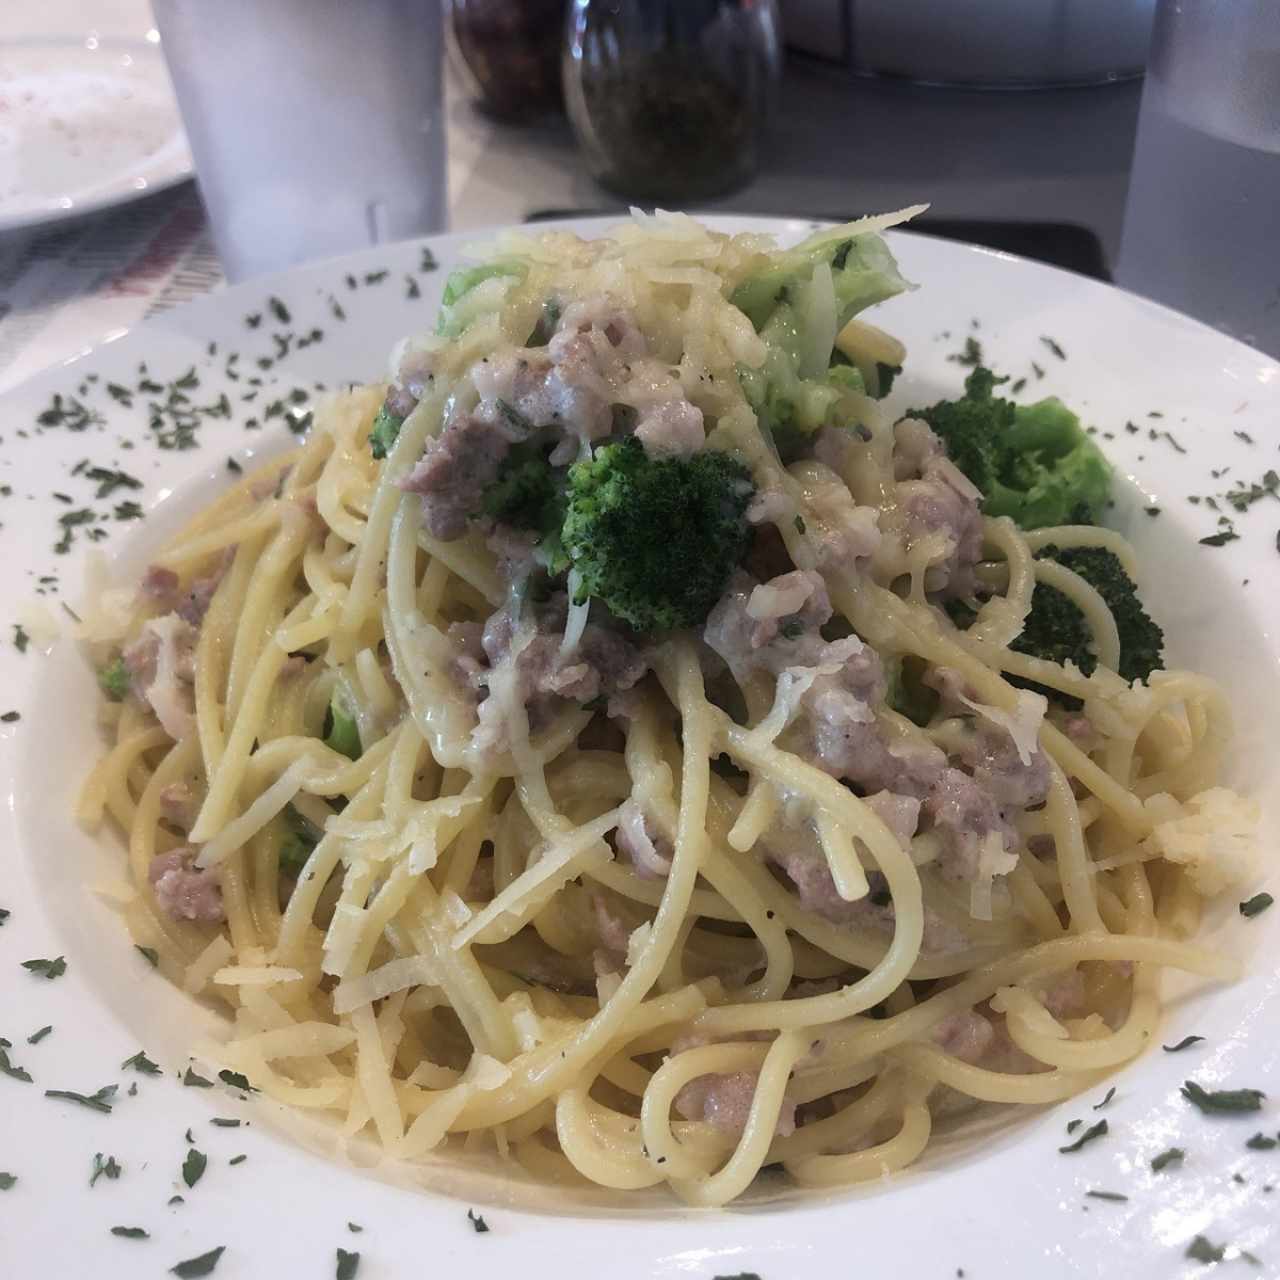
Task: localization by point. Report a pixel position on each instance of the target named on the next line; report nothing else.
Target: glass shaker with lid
(670, 99)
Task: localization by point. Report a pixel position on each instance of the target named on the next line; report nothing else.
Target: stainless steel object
(993, 43)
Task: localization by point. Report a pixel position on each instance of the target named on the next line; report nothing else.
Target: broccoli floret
(342, 733)
(1056, 629)
(1032, 462)
(656, 539)
(299, 838)
(797, 387)
(386, 427)
(527, 493)
(114, 681)
(1141, 639)
(457, 310)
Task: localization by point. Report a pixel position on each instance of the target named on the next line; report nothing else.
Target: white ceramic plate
(997, 1200)
(85, 123)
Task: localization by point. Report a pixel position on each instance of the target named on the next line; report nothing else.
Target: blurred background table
(1051, 165)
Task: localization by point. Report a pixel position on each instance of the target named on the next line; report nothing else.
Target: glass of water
(317, 126)
(1202, 225)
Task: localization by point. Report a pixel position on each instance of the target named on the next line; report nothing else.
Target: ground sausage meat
(183, 890)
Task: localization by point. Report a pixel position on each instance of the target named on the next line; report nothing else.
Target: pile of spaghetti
(619, 744)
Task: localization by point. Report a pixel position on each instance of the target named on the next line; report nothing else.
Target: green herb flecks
(1185, 1043)
(971, 356)
(348, 1265)
(1115, 1196)
(236, 1081)
(1173, 1155)
(101, 1100)
(202, 1265)
(1222, 1101)
(1093, 1131)
(1111, 1093)
(7, 1180)
(149, 954)
(49, 969)
(193, 1167)
(478, 1224)
(36, 1036)
(10, 1068)
(1262, 1142)
(105, 1167)
(194, 1081)
(141, 1063)
(1256, 905)
(131, 1233)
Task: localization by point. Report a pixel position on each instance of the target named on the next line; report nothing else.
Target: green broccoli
(114, 681)
(386, 427)
(529, 494)
(1032, 462)
(656, 539)
(802, 385)
(863, 272)
(454, 317)
(299, 837)
(1056, 629)
(342, 733)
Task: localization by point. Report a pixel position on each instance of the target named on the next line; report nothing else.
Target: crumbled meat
(161, 585)
(914, 447)
(179, 805)
(457, 467)
(998, 769)
(795, 601)
(604, 662)
(671, 429)
(512, 551)
(724, 1102)
(184, 891)
(964, 814)
(843, 534)
(943, 502)
(966, 1035)
(901, 814)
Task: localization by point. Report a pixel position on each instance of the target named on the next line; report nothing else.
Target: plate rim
(677, 1254)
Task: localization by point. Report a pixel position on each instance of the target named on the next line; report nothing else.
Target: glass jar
(670, 99)
(511, 52)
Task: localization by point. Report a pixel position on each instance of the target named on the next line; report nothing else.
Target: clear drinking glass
(1202, 224)
(317, 126)
(670, 99)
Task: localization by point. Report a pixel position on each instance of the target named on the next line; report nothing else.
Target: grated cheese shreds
(395, 975)
(1214, 835)
(265, 975)
(1023, 725)
(206, 964)
(993, 860)
(302, 1040)
(558, 863)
